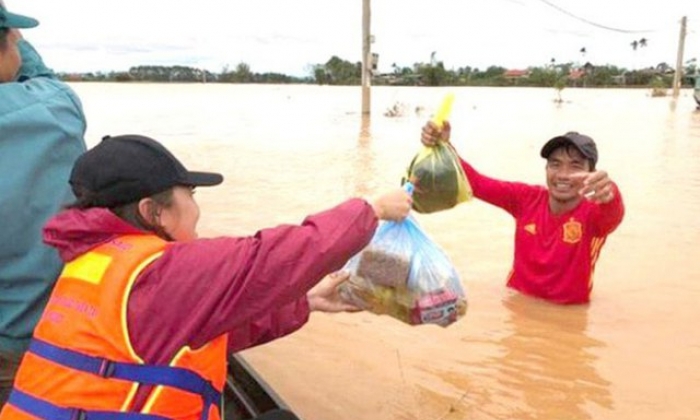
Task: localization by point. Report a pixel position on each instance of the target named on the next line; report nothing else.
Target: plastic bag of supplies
(404, 274)
(436, 173)
(439, 180)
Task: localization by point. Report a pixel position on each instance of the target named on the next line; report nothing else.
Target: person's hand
(394, 205)
(325, 297)
(431, 133)
(597, 186)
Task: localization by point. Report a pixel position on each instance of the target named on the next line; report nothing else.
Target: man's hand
(597, 186)
(431, 134)
(325, 297)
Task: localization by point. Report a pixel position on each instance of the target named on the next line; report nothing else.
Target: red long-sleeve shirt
(554, 254)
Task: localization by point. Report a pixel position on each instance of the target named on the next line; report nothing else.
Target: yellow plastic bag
(436, 173)
(438, 178)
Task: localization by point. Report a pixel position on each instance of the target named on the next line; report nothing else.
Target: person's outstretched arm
(601, 190)
(243, 286)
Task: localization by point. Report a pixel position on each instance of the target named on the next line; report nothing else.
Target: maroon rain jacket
(253, 288)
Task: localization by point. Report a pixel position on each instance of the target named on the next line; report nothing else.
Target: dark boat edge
(246, 394)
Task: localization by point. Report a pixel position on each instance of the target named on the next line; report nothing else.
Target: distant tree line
(183, 74)
(337, 71)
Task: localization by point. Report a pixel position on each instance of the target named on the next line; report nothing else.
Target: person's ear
(148, 211)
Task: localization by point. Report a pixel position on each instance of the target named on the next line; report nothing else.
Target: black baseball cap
(12, 20)
(582, 143)
(124, 169)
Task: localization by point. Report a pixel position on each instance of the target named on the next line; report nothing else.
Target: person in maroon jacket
(561, 229)
(255, 289)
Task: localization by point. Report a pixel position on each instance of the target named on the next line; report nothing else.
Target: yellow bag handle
(443, 113)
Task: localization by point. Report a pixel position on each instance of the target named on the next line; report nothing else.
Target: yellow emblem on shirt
(573, 231)
(531, 228)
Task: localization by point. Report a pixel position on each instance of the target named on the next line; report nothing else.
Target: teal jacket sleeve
(42, 127)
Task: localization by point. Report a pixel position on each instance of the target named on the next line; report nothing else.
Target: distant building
(516, 74)
(620, 79)
(576, 74)
(400, 79)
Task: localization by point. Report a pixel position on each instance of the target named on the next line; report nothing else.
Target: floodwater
(288, 151)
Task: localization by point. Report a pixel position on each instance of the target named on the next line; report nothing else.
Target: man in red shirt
(561, 229)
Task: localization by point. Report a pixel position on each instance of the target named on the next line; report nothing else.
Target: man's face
(10, 60)
(562, 163)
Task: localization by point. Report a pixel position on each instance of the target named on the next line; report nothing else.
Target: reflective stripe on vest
(179, 378)
(44, 410)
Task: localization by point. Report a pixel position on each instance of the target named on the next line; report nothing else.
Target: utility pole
(366, 57)
(677, 78)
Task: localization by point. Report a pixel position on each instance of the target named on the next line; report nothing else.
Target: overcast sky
(288, 36)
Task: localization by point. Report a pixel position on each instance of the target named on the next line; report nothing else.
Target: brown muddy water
(287, 151)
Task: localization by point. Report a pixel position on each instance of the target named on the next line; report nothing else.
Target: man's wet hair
(570, 150)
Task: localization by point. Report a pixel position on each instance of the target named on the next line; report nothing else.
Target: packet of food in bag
(404, 274)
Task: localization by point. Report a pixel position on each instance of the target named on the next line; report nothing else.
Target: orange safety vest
(81, 364)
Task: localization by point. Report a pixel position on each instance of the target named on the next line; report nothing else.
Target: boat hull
(246, 395)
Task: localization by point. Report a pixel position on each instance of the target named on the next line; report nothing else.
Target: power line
(548, 3)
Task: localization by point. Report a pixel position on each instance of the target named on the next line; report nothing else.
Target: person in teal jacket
(42, 129)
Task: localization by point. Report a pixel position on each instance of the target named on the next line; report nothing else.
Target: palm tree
(639, 44)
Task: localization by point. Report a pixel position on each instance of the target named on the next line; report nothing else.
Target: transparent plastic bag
(404, 274)
(438, 178)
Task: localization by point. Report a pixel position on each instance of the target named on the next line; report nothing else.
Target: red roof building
(516, 74)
